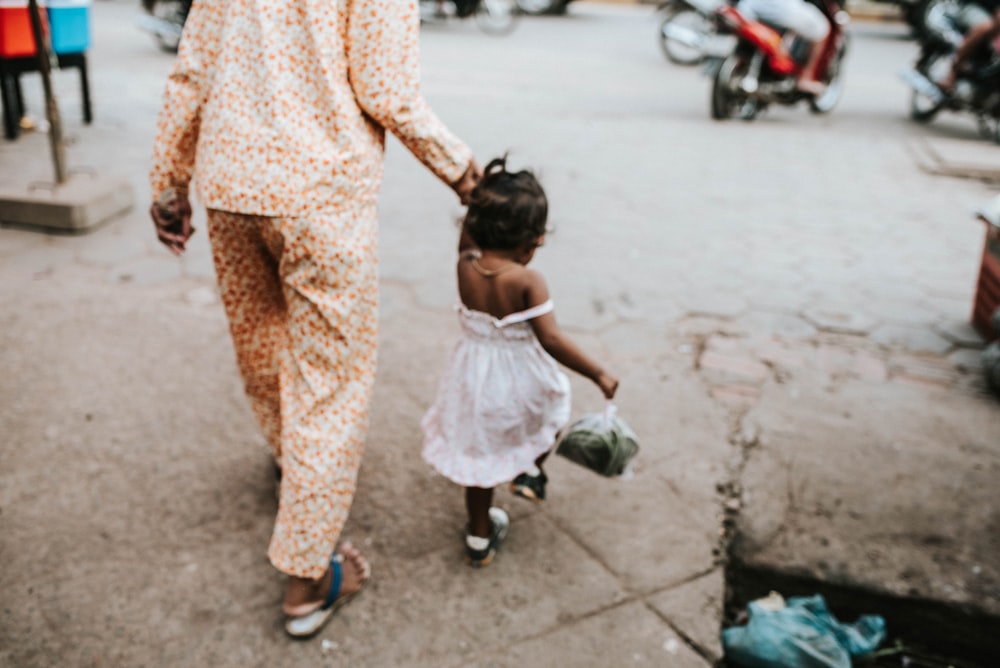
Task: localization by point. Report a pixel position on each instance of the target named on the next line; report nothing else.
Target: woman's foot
(811, 87)
(304, 596)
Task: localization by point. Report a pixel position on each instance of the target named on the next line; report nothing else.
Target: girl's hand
(608, 384)
(463, 187)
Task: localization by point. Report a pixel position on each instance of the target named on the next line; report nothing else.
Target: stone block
(745, 368)
(962, 334)
(844, 320)
(83, 202)
(735, 394)
(914, 339)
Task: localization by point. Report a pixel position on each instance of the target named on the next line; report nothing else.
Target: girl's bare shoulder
(531, 287)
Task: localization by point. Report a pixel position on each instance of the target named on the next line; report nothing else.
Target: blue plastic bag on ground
(799, 634)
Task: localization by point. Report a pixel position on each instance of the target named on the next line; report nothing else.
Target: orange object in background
(16, 37)
(987, 299)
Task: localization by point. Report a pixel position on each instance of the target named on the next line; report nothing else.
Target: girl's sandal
(531, 487)
(305, 626)
(500, 523)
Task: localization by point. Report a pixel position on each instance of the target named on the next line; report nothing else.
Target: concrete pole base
(83, 202)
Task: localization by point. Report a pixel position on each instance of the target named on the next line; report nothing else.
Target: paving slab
(959, 158)
(689, 607)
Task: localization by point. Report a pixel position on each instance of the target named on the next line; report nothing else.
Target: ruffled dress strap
(528, 314)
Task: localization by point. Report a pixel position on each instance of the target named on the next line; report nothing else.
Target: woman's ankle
(303, 595)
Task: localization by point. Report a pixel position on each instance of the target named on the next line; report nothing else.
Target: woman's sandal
(308, 625)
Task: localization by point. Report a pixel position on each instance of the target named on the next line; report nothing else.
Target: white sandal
(304, 626)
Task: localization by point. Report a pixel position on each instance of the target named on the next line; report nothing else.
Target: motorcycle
(977, 88)
(540, 7)
(164, 20)
(689, 30)
(495, 17)
(766, 63)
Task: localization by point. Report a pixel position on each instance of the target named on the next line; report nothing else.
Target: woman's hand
(171, 214)
(463, 187)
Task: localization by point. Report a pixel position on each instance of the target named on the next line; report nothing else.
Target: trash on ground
(799, 632)
(991, 365)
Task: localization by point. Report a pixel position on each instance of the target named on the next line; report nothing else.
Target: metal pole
(46, 62)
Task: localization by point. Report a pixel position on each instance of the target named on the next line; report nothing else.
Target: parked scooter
(496, 17)
(164, 20)
(765, 66)
(977, 89)
(689, 30)
(539, 7)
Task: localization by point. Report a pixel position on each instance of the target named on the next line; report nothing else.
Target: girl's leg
(541, 458)
(487, 526)
(477, 504)
(531, 484)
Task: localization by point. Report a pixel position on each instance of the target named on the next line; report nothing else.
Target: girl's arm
(557, 344)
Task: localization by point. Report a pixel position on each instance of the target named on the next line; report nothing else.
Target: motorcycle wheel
(728, 101)
(834, 84)
(542, 7)
(687, 19)
(922, 17)
(924, 108)
(497, 17)
(989, 127)
(172, 11)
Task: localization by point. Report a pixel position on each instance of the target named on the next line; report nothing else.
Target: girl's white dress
(500, 403)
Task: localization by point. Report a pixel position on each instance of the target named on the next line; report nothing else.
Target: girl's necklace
(490, 273)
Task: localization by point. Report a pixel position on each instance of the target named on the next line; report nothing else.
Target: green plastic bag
(602, 442)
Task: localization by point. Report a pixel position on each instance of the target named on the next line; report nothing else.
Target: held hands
(171, 214)
(463, 187)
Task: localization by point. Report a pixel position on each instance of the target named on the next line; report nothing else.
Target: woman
(278, 109)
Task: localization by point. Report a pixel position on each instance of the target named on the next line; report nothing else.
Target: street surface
(786, 302)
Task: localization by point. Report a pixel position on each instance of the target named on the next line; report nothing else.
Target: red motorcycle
(766, 63)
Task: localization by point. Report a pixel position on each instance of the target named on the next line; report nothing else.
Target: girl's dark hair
(506, 209)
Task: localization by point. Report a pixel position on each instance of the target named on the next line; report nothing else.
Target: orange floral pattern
(301, 295)
(277, 110)
(280, 107)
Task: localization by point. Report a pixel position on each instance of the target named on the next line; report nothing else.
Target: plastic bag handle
(610, 410)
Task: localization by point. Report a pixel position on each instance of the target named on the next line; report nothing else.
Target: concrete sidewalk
(803, 379)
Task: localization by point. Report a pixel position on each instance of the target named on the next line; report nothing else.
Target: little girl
(503, 398)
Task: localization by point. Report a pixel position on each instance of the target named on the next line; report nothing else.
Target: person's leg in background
(812, 25)
(978, 26)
